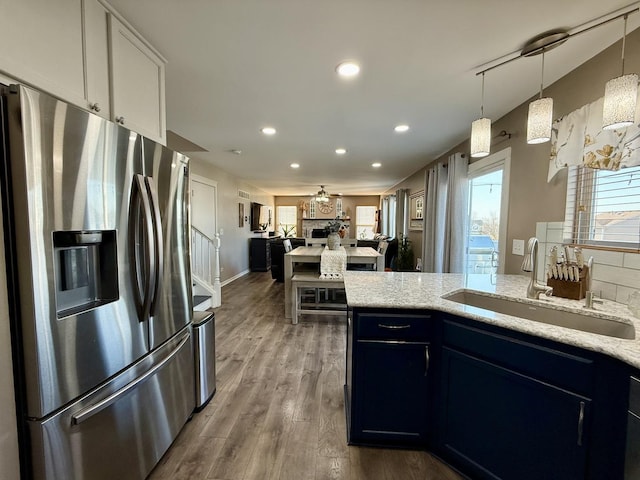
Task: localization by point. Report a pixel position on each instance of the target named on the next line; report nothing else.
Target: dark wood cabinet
(389, 384)
(260, 254)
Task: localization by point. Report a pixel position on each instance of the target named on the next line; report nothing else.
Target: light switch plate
(518, 247)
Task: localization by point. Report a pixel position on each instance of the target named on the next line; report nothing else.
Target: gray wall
(531, 198)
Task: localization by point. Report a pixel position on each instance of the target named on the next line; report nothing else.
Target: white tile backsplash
(618, 275)
(554, 235)
(541, 231)
(631, 260)
(615, 274)
(604, 289)
(622, 294)
(555, 225)
(604, 257)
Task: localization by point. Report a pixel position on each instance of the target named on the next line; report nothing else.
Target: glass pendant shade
(480, 137)
(539, 120)
(620, 97)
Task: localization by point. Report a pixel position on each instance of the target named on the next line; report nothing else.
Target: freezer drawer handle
(96, 408)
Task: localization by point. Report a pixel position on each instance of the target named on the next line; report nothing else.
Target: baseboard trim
(235, 277)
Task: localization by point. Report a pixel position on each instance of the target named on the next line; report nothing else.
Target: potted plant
(287, 229)
(405, 255)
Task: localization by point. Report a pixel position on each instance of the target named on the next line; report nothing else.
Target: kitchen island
(494, 395)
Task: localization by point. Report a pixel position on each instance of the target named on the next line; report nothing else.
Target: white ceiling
(235, 66)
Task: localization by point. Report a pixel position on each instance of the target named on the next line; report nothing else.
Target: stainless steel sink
(611, 327)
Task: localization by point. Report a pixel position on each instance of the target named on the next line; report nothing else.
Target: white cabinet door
(96, 35)
(41, 45)
(137, 83)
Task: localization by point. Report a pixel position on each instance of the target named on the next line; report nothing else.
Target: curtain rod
(557, 42)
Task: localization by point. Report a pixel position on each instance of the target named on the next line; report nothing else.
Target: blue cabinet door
(390, 393)
(502, 424)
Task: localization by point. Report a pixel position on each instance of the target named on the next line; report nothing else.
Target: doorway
(488, 211)
(205, 268)
(204, 205)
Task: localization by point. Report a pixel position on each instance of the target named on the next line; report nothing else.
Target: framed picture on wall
(240, 214)
(416, 210)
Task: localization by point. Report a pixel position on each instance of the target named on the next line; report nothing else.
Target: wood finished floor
(278, 412)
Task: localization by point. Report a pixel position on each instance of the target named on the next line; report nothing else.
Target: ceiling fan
(322, 196)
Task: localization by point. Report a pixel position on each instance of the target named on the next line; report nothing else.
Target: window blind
(603, 207)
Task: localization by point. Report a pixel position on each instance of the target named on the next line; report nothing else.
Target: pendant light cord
(482, 97)
(542, 75)
(624, 40)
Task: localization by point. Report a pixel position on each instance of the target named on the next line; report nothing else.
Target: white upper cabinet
(137, 83)
(41, 44)
(84, 53)
(96, 37)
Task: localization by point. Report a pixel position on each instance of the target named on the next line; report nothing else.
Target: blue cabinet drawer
(394, 326)
(557, 367)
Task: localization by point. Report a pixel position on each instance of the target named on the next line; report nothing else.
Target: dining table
(311, 255)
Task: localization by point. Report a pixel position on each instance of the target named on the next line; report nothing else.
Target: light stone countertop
(412, 290)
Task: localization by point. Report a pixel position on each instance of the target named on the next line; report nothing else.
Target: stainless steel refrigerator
(97, 246)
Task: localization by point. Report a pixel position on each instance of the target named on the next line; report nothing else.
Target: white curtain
(445, 216)
(456, 215)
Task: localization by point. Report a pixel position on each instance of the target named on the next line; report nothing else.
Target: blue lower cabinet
(388, 378)
(390, 393)
(501, 424)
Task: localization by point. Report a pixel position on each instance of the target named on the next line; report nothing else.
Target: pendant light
(620, 96)
(481, 132)
(540, 115)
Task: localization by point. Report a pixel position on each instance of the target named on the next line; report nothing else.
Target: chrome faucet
(530, 264)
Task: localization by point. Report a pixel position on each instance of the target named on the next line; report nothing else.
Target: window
(287, 220)
(603, 207)
(365, 222)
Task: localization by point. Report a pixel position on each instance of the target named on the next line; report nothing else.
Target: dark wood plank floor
(278, 412)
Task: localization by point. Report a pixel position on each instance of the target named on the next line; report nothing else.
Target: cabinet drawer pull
(427, 360)
(580, 423)
(393, 327)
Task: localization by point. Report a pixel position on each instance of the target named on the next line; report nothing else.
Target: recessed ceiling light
(295, 165)
(268, 130)
(376, 165)
(348, 69)
(401, 128)
(341, 151)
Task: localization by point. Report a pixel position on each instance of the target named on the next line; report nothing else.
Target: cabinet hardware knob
(580, 423)
(95, 107)
(120, 120)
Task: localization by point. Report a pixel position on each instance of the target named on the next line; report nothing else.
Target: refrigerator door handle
(91, 410)
(159, 245)
(144, 280)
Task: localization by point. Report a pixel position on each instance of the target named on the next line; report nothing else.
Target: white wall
(234, 241)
